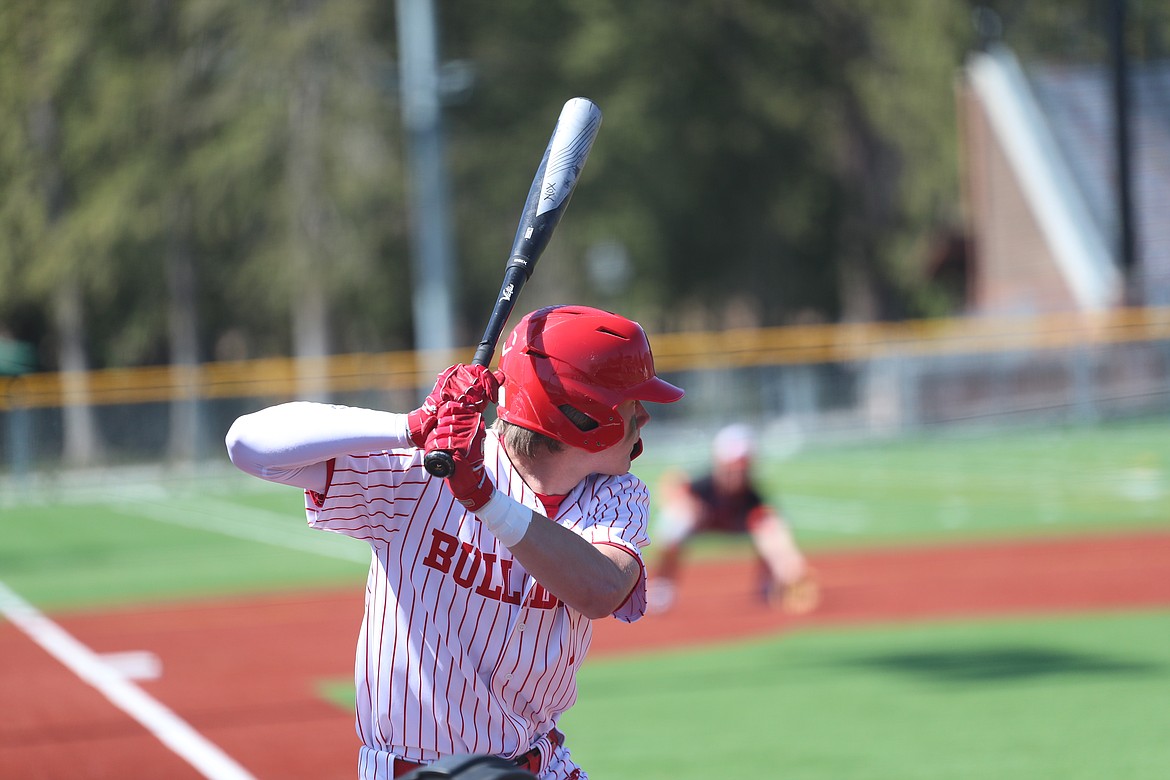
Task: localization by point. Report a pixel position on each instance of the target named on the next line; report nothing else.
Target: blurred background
(841, 220)
(921, 246)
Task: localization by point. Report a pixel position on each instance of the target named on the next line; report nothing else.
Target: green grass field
(1072, 698)
(954, 487)
(1030, 482)
(119, 539)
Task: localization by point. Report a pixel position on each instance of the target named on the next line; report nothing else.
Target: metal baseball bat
(548, 197)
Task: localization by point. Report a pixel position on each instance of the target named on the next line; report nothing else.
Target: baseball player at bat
(482, 586)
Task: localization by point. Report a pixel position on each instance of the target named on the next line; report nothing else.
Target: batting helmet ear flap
(580, 357)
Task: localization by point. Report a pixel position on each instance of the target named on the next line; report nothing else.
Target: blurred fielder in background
(482, 590)
(726, 500)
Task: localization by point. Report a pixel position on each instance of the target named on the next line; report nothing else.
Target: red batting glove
(471, 384)
(460, 430)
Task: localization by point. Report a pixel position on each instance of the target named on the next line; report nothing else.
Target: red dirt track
(268, 715)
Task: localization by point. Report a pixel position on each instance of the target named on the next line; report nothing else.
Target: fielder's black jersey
(727, 513)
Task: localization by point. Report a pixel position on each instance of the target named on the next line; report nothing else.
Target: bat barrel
(555, 180)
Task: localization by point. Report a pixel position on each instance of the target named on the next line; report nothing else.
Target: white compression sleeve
(290, 443)
(506, 518)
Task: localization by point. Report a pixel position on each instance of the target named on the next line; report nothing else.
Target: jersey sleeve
(368, 496)
(617, 511)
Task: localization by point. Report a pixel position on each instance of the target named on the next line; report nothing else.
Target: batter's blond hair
(530, 444)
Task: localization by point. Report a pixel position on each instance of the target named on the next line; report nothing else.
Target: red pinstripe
(444, 667)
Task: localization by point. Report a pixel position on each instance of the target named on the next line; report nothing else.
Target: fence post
(18, 430)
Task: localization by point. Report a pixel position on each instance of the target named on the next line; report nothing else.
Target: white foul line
(169, 728)
(255, 525)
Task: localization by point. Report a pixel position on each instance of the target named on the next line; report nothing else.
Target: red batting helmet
(589, 359)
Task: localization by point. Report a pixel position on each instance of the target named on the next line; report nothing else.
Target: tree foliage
(760, 162)
(221, 179)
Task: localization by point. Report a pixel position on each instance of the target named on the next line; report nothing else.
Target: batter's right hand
(469, 385)
(460, 431)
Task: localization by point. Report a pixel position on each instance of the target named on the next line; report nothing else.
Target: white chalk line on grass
(255, 525)
(169, 728)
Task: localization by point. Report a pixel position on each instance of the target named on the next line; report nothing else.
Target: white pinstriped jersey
(460, 650)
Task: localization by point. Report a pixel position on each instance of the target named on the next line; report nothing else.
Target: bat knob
(439, 463)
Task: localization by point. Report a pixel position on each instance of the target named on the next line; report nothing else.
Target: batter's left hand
(469, 384)
(460, 430)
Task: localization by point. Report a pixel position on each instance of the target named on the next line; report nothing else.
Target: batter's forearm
(592, 581)
(578, 573)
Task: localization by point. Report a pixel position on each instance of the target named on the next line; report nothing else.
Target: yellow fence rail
(849, 342)
(674, 352)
